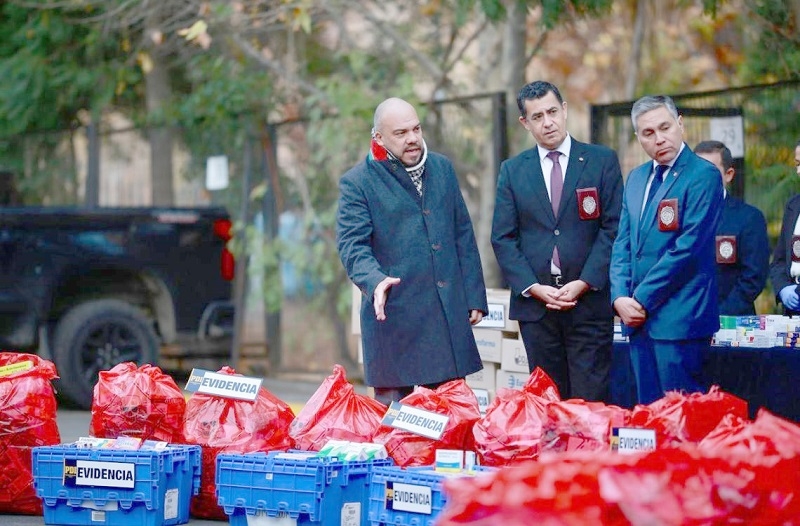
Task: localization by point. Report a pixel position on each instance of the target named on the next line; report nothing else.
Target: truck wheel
(95, 336)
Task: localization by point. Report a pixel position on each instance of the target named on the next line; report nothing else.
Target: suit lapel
(637, 182)
(577, 162)
(650, 213)
(535, 179)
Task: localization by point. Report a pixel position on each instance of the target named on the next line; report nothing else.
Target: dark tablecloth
(767, 377)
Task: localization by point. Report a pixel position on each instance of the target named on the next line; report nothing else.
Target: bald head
(397, 128)
(390, 106)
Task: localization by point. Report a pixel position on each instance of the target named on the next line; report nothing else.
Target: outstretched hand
(380, 295)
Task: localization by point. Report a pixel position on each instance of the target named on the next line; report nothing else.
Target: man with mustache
(405, 239)
(663, 264)
(555, 218)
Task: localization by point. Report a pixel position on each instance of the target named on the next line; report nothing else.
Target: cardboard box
(510, 380)
(499, 301)
(489, 344)
(483, 379)
(514, 357)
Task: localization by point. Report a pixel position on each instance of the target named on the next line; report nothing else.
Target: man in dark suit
(785, 267)
(741, 245)
(555, 219)
(663, 268)
(405, 239)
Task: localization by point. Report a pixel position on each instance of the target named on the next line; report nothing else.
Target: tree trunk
(158, 93)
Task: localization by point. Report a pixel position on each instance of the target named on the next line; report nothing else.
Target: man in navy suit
(555, 218)
(663, 267)
(405, 239)
(741, 245)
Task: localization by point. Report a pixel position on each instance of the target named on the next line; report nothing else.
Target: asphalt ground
(73, 424)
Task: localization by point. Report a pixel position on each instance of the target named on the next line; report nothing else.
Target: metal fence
(759, 121)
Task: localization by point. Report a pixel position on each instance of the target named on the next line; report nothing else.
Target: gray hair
(652, 102)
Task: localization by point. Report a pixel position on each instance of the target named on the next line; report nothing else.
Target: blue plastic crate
(408, 496)
(83, 486)
(297, 485)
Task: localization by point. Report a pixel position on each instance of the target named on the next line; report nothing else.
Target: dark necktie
(556, 187)
(656, 184)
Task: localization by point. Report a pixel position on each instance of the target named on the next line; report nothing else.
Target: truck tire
(95, 336)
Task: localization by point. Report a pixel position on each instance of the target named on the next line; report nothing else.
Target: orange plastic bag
(142, 402)
(454, 399)
(232, 426)
(27, 419)
(336, 411)
(512, 429)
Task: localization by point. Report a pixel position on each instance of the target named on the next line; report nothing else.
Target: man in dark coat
(555, 219)
(405, 239)
(785, 267)
(742, 245)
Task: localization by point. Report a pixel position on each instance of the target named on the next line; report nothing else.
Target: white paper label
(171, 499)
(627, 440)
(351, 514)
(408, 497)
(415, 420)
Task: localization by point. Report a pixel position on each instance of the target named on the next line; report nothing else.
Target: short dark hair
(716, 147)
(536, 90)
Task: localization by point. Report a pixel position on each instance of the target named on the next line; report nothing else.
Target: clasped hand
(630, 311)
(564, 298)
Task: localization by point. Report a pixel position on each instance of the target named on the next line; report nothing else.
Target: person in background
(785, 267)
(663, 267)
(9, 195)
(742, 246)
(555, 218)
(405, 239)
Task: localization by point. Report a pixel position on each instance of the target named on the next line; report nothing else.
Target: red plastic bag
(679, 418)
(512, 429)
(336, 411)
(454, 399)
(557, 490)
(573, 425)
(768, 449)
(232, 426)
(27, 419)
(142, 402)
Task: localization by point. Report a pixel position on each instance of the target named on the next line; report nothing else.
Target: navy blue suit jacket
(740, 282)
(672, 274)
(524, 229)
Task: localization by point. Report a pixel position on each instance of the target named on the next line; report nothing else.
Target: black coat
(384, 228)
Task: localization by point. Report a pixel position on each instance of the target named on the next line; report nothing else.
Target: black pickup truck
(90, 288)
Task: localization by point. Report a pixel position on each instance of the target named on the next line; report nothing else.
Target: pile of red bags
(740, 473)
(336, 412)
(224, 425)
(140, 402)
(453, 399)
(27, 419)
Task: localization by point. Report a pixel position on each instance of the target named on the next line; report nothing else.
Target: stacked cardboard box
(505, 363)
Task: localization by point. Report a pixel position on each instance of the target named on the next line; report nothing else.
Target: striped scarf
(379, 153)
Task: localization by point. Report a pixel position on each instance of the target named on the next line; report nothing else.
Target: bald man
(405, 239)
